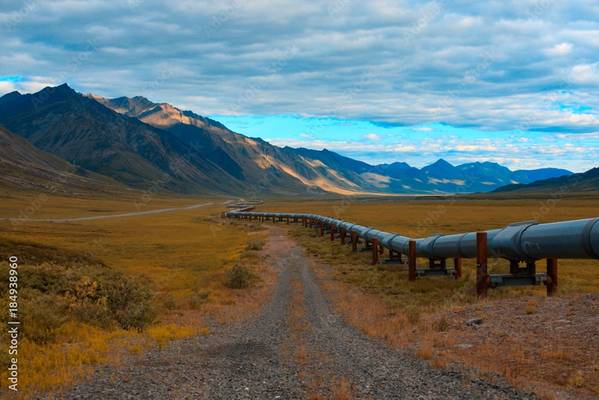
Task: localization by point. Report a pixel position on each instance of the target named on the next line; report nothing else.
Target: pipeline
(522, 241)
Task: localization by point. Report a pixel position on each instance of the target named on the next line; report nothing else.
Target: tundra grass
(429, 315)
(419, 218)
(182, 258)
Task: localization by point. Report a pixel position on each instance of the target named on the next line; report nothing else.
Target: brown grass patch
(182, 256)
(521, 328)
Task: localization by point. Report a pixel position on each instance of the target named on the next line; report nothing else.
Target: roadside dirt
(548, 346)
(296, 347)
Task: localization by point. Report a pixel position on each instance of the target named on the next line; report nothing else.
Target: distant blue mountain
(138, 143)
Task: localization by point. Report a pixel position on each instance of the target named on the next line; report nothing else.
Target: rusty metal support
(395, 255)
(321, 226)
(412, 260)
(354, 241)
(342, 235)
(375, 251)
(551, 282)
(457, 265)
(482, 276)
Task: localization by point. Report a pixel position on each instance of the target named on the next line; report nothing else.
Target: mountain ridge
(24, 166)
(139, 142)
(583, 182)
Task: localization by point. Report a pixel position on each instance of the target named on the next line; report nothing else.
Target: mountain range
(558, 187)
(24, 166)
(134, 142)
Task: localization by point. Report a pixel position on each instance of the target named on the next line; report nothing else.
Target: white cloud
(559, 50)
(6, 87)
(585, 73)
(372, 137)
(401, 62)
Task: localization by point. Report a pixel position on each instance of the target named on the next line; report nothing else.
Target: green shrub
(255, 245)
(57, 287)
(41, 315)
(239, 277)
(130, 303)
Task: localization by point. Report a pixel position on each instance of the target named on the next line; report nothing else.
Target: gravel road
(295, 348)
(109, 216)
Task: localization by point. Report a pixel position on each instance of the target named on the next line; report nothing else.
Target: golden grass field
(182, 256)
(428, 316)
(419, 218)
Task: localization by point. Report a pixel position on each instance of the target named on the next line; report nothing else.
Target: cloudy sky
(514, 82)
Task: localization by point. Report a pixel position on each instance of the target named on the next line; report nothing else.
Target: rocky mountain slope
(576, 183)
(144, 144)
(23, 166)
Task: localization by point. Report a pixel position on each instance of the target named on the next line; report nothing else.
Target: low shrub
(255, 245)
(130, 303)
(67, 287)
(41, 315)
(239, 277)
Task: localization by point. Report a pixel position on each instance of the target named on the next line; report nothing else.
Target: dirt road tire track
(252, 360)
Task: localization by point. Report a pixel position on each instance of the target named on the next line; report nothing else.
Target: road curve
(109, 216)
(296, 348)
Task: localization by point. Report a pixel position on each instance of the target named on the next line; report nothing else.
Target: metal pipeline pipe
(522, 241)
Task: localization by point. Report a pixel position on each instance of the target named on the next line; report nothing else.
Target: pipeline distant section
(522, 241)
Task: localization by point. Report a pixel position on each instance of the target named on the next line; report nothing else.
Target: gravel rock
(252, 360)
(474, 322)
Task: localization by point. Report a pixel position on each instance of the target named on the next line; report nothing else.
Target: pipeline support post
(394, 257)
(412, 260)
(332, 233)
(457, 265)
(375, 251)
(482, 276)
(342, 236)
(354, 241)
(551, 281)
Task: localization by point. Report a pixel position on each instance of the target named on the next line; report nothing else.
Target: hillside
(586, 182)
(258, 161)
(157, 146)
(23, 166)
(268, 168)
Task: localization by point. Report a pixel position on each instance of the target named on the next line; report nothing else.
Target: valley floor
(316, 320)
(297, 347)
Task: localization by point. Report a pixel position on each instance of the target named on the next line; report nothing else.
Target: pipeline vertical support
(321, 226)
(287, 220)
(482, 276)
(395, 256)
(457, 265)
(354, 241)
(375, 251)
(551, 282)
(412, 260)
(342, 236)
(332, 233)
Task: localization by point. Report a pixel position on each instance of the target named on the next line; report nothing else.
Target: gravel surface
(296, 348)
